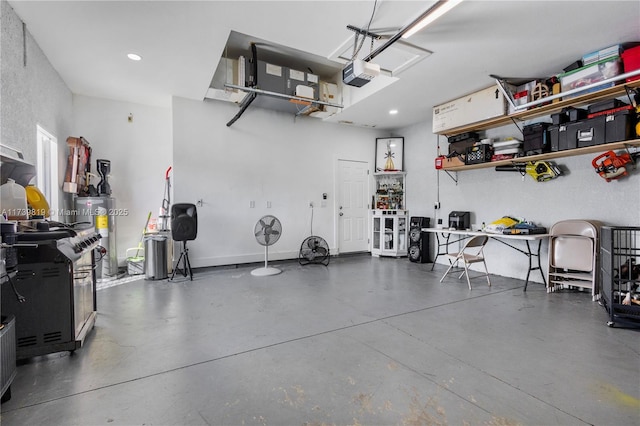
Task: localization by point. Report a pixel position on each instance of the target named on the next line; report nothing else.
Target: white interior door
(353, 178)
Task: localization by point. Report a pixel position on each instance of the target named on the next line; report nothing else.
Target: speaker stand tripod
(186, 265)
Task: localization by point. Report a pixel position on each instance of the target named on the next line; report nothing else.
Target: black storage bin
(605, 105)
(559, 117)
(536, 139)
(587, 132)
(463, 137)
(461, 142)
(619, 126)
(576, 114)
(461, 146)
(559, 140)
(573, 66)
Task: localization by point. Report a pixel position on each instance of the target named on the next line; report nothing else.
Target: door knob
(341, 214)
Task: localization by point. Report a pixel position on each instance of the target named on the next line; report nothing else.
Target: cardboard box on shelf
(478, 106)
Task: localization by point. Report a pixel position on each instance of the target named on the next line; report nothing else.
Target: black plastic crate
(478, 154)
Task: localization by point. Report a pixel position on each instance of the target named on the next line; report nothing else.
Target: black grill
(49, 280)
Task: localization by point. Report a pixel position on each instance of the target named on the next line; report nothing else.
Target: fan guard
(314, 250)
(267, 232)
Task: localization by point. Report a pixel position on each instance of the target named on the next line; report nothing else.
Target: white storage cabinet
(389, 217)
(389, 234)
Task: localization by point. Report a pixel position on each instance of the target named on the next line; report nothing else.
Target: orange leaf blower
(611, 166)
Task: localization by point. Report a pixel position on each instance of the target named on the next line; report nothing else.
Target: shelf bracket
(633, 155)
(455, 179)
(515, 123)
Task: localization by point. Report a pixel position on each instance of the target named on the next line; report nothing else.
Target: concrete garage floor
(365, 341)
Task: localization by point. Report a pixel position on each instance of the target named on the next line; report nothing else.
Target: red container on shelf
(631, 61)
(439, 161)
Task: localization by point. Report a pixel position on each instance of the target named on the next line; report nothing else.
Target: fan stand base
(265, 271)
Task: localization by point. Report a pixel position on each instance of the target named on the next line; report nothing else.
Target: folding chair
(573, 256)
(472, 252)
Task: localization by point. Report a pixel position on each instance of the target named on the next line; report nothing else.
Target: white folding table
(506, 239)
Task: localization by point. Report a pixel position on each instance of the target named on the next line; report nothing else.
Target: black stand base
(186, 265)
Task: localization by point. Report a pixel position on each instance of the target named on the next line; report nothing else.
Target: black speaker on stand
(419, 240)
(184, 227)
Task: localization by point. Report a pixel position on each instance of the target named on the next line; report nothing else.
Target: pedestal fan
(267, 232)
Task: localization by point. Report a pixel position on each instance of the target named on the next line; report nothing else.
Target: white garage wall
(265, 156)
(31, 91)
(270, 156)
(421, 178)
(139, 151)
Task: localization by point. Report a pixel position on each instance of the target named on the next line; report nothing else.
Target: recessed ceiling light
(393, 111)
(134, 57)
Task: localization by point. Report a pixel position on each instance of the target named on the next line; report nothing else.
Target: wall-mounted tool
(541, 171)
(610, 165)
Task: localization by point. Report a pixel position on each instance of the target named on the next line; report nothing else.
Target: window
(47, 169)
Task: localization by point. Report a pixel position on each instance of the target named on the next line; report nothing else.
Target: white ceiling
(182, 42)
